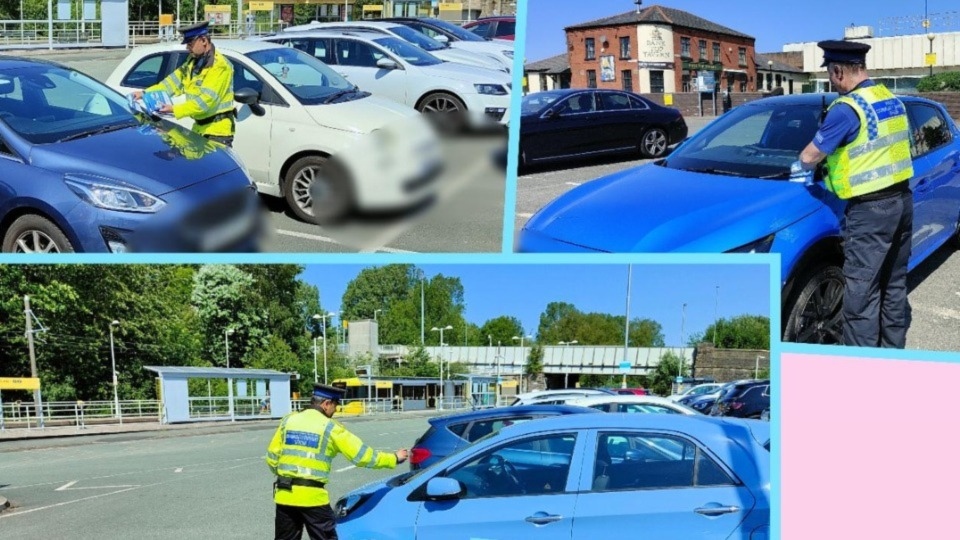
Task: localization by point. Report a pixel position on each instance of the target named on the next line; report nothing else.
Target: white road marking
(22, 512)
(347, 468)
(525, 214)
(67, 485)
(178, 469)
(308, 236)
(574, 184)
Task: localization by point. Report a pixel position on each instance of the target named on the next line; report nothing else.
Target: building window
(625, 47)
(591, 78)
(656, 81)
(543, 82)
(769, 81)
(743, 56)
(703, 50)
(591, 50)
(685, 83)
(716, 52)
(685, 47)
(779, 80)
(627, 77)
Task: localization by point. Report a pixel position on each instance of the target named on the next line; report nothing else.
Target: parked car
(580, 123)
(80, 172)
(581, 476)
(632, 404)
(500, 27)
(703, 402)
(726, 189)
(459, 38)
(442, 51)
(450, 432)
(632, 391)
(556, 396)
(746, 399)
(321, 144)
(697, 390)
(394, 69)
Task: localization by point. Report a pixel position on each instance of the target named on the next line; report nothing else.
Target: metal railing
(77, 413)
(34, 32)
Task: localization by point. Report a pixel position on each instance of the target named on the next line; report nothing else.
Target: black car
(743, 400)
(436, 27)
(581, 123)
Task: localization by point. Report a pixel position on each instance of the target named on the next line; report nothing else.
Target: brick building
(659, 50)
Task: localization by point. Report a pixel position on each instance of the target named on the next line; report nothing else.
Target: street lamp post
(323, 319)
(113, 366)
(226, 343)
(435, 329)
(770, 75)
(316, 377)
(496, 396)
(683, 322)
(716, 307)
(375, 314)
(523, 359)
(566, 373)
(930, 36)
(756, 368)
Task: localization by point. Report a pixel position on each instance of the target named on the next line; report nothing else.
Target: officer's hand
(402, 455)
(165, 109)
(798, 174)
(137, 94)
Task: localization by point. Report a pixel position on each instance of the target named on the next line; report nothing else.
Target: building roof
(217, 372)
(555, 64)
(761, 61)
(661, 15)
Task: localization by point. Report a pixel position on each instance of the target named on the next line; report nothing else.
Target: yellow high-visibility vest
(304, 447)
(879, 156)
(208, 94)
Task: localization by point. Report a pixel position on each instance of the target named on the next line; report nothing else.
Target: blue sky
(772, 23)
(523, 290)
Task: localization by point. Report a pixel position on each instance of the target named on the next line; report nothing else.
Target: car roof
(10, 61)
(321, 32)
(621, 398)
(520, 410)
(667, 422)
(818, 99)
(241, 46)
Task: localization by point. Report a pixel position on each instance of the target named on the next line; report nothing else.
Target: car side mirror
(550, 113)
(249, 96)
(442, 39)
(444, 489)
(386, 63)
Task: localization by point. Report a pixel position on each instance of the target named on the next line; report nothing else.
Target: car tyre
(35, 234)
(446, 111)
(317, 191)
(654, 143)
(814, 315)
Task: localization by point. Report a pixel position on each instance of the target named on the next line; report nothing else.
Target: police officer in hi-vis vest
(206, 79)
(866, 142)
(300, 455)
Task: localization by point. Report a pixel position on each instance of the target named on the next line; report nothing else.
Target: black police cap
(843, 52)
(194, 31)
(324, 391)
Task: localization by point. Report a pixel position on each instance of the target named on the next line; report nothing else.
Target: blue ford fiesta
(79, 172)
(726, 189)
(581, 476)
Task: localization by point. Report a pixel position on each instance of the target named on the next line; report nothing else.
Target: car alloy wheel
(654, 143)
(316, 191)
(35, 234)
(446, 110)
(815, 314)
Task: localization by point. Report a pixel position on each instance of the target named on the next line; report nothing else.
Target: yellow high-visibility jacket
(208, 94)
(879, 156)
(304, 447)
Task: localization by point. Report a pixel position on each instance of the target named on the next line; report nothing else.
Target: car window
(482, 428)
(148, 72)
(653, 461)
(410, 53)
(506, 28)
(644, 408)
(458, 429)
(578, 104)
(532, 103)
(307, 78)
(614, 102)
(357, 54)
(481, 29)
(537, 465)
(639, 104)
(928, 130)
(244, 78)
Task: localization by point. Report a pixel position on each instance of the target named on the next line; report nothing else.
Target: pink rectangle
(867, 448)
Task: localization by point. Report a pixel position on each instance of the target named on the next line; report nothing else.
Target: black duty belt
(283, 482)
(219, 116)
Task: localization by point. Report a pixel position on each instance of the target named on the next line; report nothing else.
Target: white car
(697, 390)
(632, 404)
(555, 397)
(442, 51)
(392, 68)
(460, 38)
(320, 143)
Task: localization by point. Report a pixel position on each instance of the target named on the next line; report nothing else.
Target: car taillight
(735, 405)
(419, 455)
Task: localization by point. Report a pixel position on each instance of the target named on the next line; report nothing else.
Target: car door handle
(542, 518)
(716, 510)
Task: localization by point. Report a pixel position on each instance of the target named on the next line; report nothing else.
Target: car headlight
(759, 246)
(104, 193)
(491, 89)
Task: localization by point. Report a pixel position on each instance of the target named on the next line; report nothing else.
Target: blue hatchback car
(726, 189)
(450, 432)
(581, 476)
(80, 172)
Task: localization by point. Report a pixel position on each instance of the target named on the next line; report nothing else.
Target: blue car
(726, 189)
(80, 172)
(450, 432)
(581, 476)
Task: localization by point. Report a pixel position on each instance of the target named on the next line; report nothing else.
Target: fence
(35, 32)
(77, 413)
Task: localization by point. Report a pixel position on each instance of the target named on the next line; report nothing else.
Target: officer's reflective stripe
(888, 108)
(325, 439)
(876, 144)
(359, 457)
(209, 93)
(881, 172)
(273, 456)
(869, 113)
(176, 80)
(298, 453)
(303, 472)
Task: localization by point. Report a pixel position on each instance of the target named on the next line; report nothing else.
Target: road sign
(625, 367)
(678, 380)
(19, 383)
(706, 81)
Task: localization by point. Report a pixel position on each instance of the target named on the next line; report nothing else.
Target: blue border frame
(513, 141)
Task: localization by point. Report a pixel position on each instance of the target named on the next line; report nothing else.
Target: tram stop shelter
(251, 393)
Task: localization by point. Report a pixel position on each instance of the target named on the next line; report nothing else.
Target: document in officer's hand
(151, 101)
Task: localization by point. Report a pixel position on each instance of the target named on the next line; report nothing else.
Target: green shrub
(941, 82)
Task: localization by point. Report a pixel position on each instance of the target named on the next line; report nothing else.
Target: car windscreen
(534, 103)
(410, 53)
(311, 81)
(756, 141)
(459, 32)
(423, 41)
(45, 104)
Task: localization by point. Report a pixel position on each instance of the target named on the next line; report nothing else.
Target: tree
(501, 330)
(534, 364)
(741, 332)
(665, 373)
(223, 299)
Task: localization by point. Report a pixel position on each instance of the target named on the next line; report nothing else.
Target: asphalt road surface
(465, 217)
(185, 484)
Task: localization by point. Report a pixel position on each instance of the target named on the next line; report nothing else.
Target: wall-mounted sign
(261, 6)
(703, 66)
(607, 68)
(19, 383)
(656, 65)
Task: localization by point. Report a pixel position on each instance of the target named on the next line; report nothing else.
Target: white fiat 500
(307, 134)
(392, 68)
